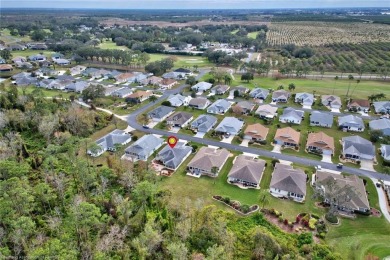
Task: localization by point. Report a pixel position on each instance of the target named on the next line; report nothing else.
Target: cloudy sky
(192, 4)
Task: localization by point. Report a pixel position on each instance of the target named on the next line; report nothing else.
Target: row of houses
(286, 181)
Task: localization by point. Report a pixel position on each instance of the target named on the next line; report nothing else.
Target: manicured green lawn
(108, 44)
(319, 87)
(183, 61)
(252, 35)
(46, 92)
(27, 53)
(7, 38)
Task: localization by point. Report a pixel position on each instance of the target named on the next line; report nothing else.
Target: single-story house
(382, 107)
(77, 86)
(287, 182)
(123, 92)
(351, 123)
(220, 89)
(287, 136)
(108, 90)
(24, 65)
(153, 80)
(2, 61)
(230, 126)
(45, 71)
(77, 70)
(259, 93)
(280, 96)
(382, 125)
(6, 67)
(16, 47)
(172, 158)
(139, 96)
(178, 100)
(38, 46)
(291, 115)
(323, 119)
(359, 105)
(26, 81)
(21, 75)
(109, 142)
(243, 107)
(220, 107)
(351, 185)
(56, 56)
(123, 77)
(320, 143)
(201, 86)
(19, 59)
(305, 99)
(199, 103)
(167, 83)
(208, 161)
(62, 62)
(143, 147)
(179, 119)
(160, 113)
(385, 152)
(204, 123)
(331, 101)
(356, 148)
(256, 132)
(37, 57)
(178, 74)
(266, 111)
(241, 91)
(246, 171)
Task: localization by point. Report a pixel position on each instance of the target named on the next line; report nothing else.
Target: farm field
(321, 33)
(183, 61)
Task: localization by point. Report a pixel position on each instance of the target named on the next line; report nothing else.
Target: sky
(192, 4)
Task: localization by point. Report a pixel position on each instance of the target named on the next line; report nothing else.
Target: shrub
(245, 208)
(331, 218)
(321, 235)
(298, 219)
(305, 239)
(285, 221)
(315, 216)
(134, 138)
(274, 161)
(280, 219)
(312, 223)
(226, 200)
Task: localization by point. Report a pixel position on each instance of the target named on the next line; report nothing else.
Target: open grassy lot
(183, 61)
(28, 52)
(7, 38)
(252, 35)
(108, 44)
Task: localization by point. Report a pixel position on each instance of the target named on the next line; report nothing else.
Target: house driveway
(382, 201)
(277, 148)
(174, 130)
(245, 143)
(231, 96)
(306, 107)
(326, 158)
(363, 113)
(335, 110)
(228, 140)
(199, 135)
(152, 124)
(367, 165)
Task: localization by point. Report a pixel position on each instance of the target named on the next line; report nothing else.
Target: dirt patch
(375, 213)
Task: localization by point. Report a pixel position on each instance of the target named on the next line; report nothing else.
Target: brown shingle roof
(359, 103)
(140, 94)
(286, 178)
(320, 140)
(257, 131)
(208, 157)
(247, 168)
(288, 134)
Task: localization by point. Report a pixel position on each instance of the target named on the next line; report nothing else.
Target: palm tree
(357, 83)
(227, 79)
(153, 98)
(336, 79)
(350, 78)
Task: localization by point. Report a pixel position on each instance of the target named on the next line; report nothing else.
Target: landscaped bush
(245, 208)
(312, 223)
(285, 221)
(280, 219)
(315, 216)
(331, 218)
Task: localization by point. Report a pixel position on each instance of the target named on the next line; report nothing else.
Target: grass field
(183, 61)
(319, 87)
(252, 35)
(27, 53)
(111, 46)
(6, 37)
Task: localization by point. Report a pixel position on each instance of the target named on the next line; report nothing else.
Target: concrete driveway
(306, 107)
(367, 165)
(326, 158)
(382, 201)
(199, 135)
(277, 148)
(152, 124)
(228, 140)
(245, 143)
(335, 110)
(174, 130)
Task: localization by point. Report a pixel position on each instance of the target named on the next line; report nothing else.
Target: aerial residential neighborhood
(194, 134)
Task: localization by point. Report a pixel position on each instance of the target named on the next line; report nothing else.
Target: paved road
(132, 121)
(382, 200)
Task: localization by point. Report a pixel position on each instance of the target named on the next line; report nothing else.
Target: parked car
(339, 166)
(145, 126)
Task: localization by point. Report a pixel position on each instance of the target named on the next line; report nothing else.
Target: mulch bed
(375, 213)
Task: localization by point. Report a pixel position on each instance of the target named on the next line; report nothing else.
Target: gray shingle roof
(173, 157)
(358, 145)
(247, 169)
(109, 141)
(204, 123)
(230, 125)
(291, 112)
(176, 100)
(287, 178)
(259, 93)
(145, 145)
(179, 118)
(321, 117)
(380, 124)
(160, 112)
(351, 120)
(382, 106)
(202, 86)
(219, 106)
